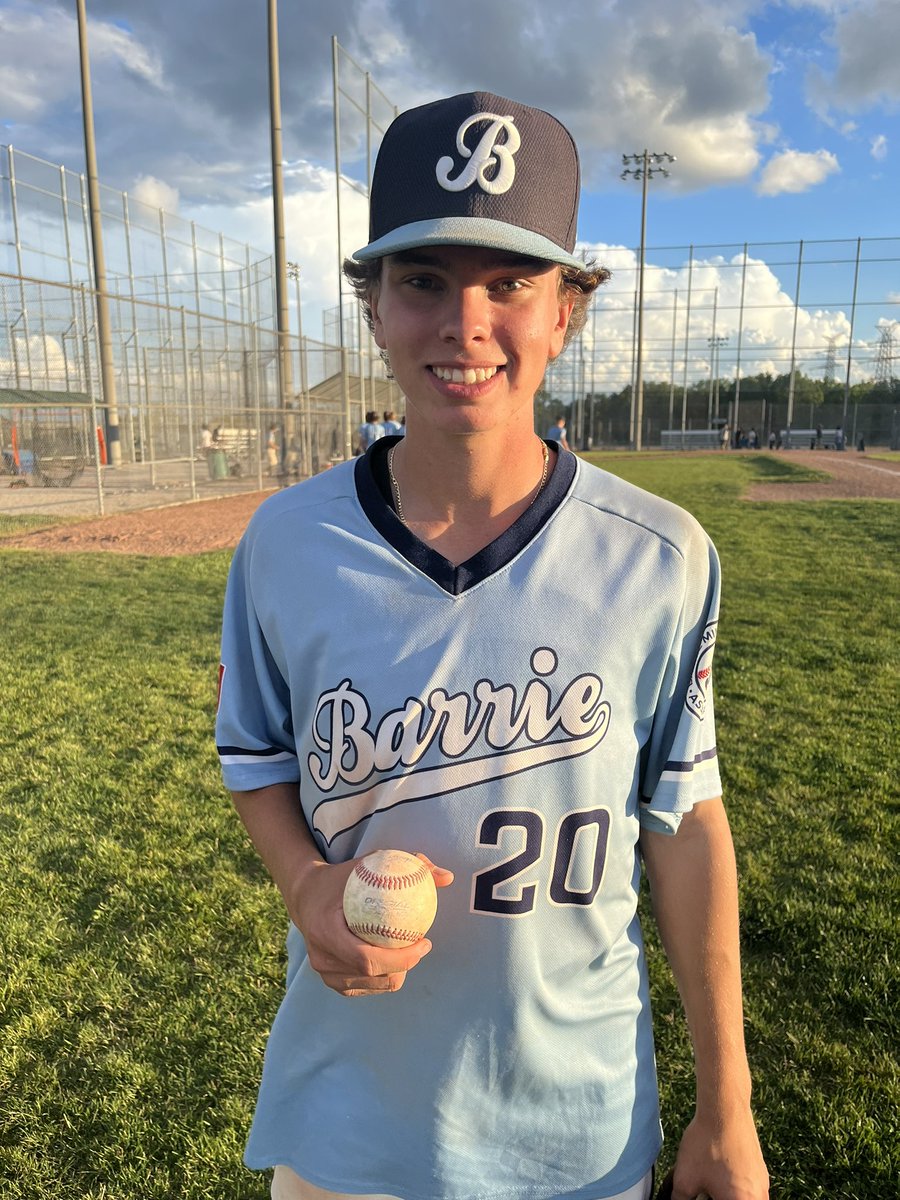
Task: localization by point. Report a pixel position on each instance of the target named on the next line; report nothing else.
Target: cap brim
(468, 231)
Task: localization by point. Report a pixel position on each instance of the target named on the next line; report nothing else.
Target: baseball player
(509, 1055)
(557, 433)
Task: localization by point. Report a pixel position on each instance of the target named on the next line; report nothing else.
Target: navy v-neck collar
(373, 490)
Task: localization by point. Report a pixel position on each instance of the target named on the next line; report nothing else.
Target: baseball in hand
(390, 898)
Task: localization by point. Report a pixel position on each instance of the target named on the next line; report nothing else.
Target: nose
(466, 316)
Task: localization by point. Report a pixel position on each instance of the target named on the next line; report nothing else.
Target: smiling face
(469, 333)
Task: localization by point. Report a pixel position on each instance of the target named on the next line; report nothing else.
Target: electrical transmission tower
(830, 365)
(884, 363)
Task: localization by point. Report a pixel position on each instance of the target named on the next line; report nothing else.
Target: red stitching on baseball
(367, 875)
(399, 935)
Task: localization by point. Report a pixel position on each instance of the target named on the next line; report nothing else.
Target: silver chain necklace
(395, 486)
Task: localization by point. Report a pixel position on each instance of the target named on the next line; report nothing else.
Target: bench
(690, 439)
(803, 439)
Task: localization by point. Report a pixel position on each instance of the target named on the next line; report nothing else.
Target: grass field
(142, 942)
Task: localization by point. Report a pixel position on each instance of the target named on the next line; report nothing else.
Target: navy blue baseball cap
(475, 170)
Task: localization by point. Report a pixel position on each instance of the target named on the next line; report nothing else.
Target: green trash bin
(218, 464)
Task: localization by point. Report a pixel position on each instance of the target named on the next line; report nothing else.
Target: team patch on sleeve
(701, 677)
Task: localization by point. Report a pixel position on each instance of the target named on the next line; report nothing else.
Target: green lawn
(142, 942)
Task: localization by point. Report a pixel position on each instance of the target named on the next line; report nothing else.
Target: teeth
(469, 375)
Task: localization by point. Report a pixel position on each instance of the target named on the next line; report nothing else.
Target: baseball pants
(287, 1185)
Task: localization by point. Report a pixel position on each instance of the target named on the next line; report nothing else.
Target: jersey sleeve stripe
(703, 761)
(231, 756)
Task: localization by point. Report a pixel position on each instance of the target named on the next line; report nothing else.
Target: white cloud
(686, 77)
(765, 321)
(154, 193)
(879, 148)
(796, 171)
(310, 234)
(36, 63)
(866, 35)
(119, 46)
(40, 59)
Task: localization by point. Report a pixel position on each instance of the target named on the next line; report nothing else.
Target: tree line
(605, 416)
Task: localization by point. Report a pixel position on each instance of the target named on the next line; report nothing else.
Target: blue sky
(783, 115)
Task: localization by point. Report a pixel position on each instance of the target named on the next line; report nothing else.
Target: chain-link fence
(196, 412)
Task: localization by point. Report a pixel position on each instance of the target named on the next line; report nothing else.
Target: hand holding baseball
(347, 964)
(390, 898)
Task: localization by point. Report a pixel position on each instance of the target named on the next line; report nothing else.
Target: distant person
(557, 432)
(206, 440)
(272, 450)
(724, 438)
(753, 440)
(839, 438)
(392, 426)
(369, 432)
(773, 440)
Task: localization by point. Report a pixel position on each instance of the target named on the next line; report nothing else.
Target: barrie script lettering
(352, 751)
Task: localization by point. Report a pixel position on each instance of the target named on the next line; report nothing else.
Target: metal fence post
(188, 395)
(95, 445)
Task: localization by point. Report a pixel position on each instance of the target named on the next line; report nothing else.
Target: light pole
(293, 271)
(647, 165)
(285, 383)
(715, 343)
(101, 301)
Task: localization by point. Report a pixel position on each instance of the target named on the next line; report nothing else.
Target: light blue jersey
(517, 720)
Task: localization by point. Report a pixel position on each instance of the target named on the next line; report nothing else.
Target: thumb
(442, 876)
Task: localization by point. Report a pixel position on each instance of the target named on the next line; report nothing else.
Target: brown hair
(574, 284)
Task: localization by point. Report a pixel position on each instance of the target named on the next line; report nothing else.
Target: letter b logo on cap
(490, 152)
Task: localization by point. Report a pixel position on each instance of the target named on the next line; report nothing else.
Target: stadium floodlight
(642, 166)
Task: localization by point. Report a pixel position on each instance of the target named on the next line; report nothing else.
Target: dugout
(45, 436)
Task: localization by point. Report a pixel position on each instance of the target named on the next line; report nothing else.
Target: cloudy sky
(782, 114)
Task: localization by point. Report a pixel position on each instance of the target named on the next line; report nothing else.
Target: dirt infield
(217, 524)
(853, 477)
(162, 532)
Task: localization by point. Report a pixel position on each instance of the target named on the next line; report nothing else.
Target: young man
(369, 432)
(509, 1055)
(557, 433)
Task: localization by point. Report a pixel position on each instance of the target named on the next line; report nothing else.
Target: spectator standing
(272, 451)
(369, 432)
(557, 433)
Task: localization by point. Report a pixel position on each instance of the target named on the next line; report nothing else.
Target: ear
(377, 324)
(558, 335)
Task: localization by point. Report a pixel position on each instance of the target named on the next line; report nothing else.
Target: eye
(509, 286)
(421, 283)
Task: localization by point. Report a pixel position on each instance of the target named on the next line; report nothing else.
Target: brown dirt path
(164, 532)
(853, 477)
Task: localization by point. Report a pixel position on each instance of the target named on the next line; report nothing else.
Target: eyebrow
(501, 260)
